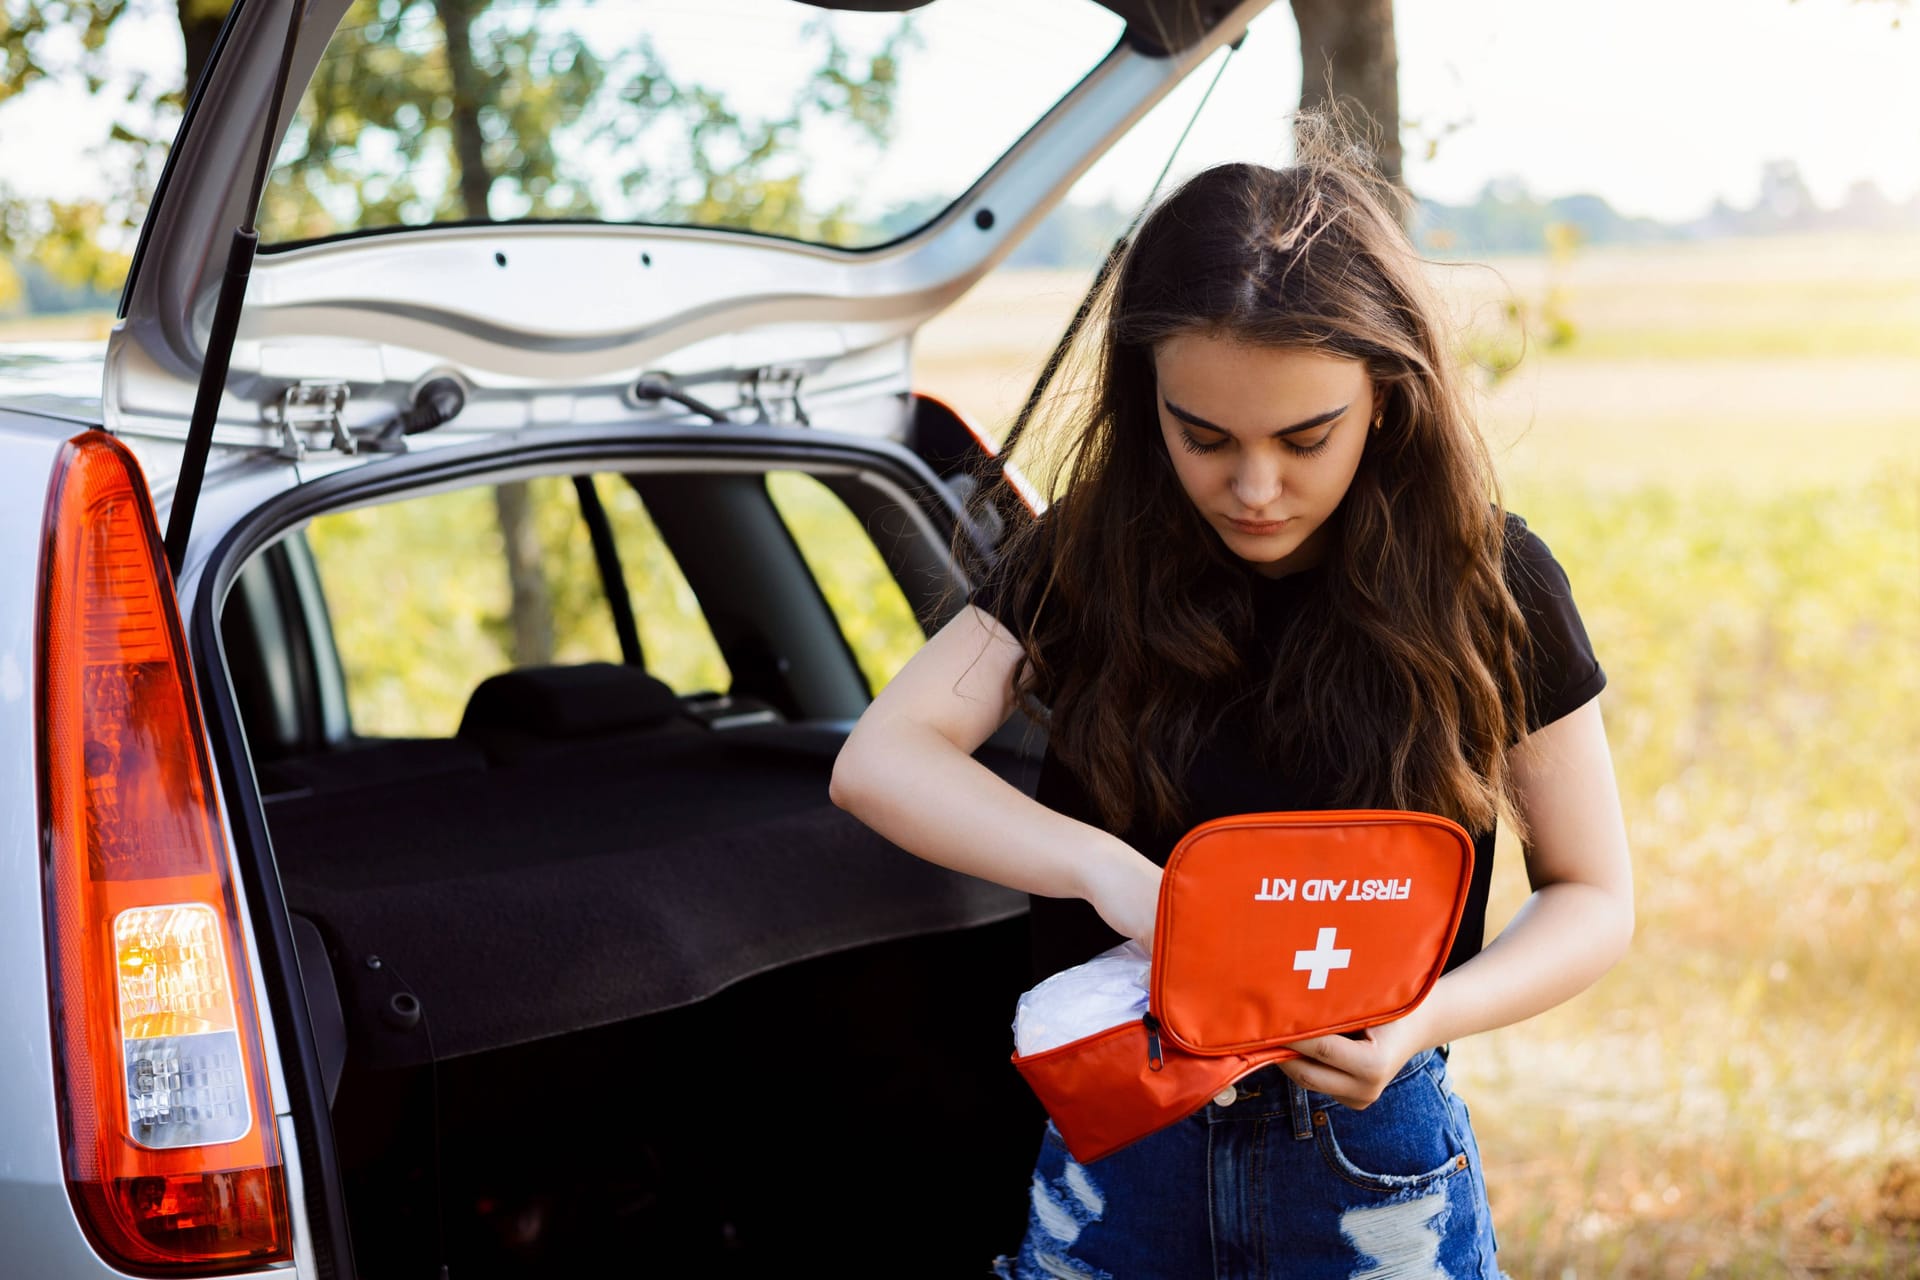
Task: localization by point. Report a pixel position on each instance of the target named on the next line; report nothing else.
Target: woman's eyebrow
(1319, 419)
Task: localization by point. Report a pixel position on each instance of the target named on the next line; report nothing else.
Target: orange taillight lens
(1022, 487)
(169, 1133)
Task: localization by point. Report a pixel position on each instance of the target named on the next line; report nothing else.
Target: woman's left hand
(1355, 1069)
(1571, 930)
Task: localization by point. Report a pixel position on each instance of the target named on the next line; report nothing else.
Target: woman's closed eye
(1193, 445)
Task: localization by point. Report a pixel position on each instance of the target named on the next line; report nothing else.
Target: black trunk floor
(596, 885)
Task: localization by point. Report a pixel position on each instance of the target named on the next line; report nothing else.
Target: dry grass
(77, 326)
(1729, 471)
(1739, 1095)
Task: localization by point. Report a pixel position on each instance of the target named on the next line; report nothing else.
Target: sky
(1662, 105)
(1659, 106)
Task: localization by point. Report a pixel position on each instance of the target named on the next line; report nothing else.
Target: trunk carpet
(597, 884)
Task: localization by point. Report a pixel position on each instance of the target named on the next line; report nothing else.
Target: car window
(428, 598)
(861, 590)
(678, 644)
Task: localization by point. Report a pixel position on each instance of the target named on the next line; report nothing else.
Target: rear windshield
(845, 129)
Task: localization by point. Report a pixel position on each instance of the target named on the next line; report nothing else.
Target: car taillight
(171, 1155)
(1015, 477)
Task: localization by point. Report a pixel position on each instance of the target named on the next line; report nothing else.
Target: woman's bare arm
(1573, 928)
(1579, 920)
(907, 770)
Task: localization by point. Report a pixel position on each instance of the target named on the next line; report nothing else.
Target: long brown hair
(1406, 691)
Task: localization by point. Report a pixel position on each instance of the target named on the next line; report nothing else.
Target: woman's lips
(1259, 526)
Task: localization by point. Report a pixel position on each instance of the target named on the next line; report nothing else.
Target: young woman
(1279, 578)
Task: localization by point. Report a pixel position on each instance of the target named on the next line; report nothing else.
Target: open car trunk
(529, 899)
(680, 1004)
(605, 977)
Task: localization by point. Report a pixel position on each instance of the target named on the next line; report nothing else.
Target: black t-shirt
(1561, 673)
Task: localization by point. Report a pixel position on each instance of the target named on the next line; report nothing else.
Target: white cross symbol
(1322, 958)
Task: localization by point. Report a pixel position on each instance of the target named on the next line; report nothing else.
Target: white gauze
(1104, 992)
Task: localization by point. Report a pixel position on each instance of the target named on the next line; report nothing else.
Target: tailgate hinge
(774, 392)
(308, 406)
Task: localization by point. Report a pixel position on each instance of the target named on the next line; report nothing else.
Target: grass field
(1726, 458)
(78, 326)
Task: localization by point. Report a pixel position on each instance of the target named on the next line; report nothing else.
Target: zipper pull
(1154, 1060)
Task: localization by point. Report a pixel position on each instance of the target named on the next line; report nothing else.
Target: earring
(1377, 419)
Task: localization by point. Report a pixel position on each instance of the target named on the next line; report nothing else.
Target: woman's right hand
(907, 771)
(1124, 887)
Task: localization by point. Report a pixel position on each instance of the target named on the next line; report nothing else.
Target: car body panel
(54, 379)
(33, 1187)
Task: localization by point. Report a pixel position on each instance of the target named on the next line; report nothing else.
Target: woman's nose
(1256, 482)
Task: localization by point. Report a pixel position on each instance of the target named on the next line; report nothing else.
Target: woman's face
(1264, 435)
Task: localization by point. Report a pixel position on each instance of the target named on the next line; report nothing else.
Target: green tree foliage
(33, 32)
(77, 243)
(437, 110)
(64, 241)
(421, 605)
(872, 610)
(427, 111)
(388, 120)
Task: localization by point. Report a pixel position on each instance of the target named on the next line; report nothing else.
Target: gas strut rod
(1113, 259)
(226, 318)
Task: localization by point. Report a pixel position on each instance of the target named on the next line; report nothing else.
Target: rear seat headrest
(569, 702)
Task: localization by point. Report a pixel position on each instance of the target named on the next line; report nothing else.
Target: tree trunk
(532, 606)
(469, 144)
(200, 24)
(1349, 60)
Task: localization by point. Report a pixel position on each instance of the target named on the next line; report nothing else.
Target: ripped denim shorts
(1273, 1180)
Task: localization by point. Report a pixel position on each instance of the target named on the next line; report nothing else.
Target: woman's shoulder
(1522, 542)
(1533, 574)
(1562, 668)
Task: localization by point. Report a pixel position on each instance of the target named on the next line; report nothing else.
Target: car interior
(596, 968)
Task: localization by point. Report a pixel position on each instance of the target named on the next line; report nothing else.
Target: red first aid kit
(1272, 928)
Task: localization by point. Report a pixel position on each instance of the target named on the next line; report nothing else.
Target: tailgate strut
(226, 319)
(1107, 265)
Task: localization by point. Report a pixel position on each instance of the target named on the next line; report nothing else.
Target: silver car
(331, 950)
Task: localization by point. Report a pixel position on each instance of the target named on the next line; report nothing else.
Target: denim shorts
(1273, 1180)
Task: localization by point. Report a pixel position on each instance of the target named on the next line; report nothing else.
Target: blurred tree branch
(407, 124)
